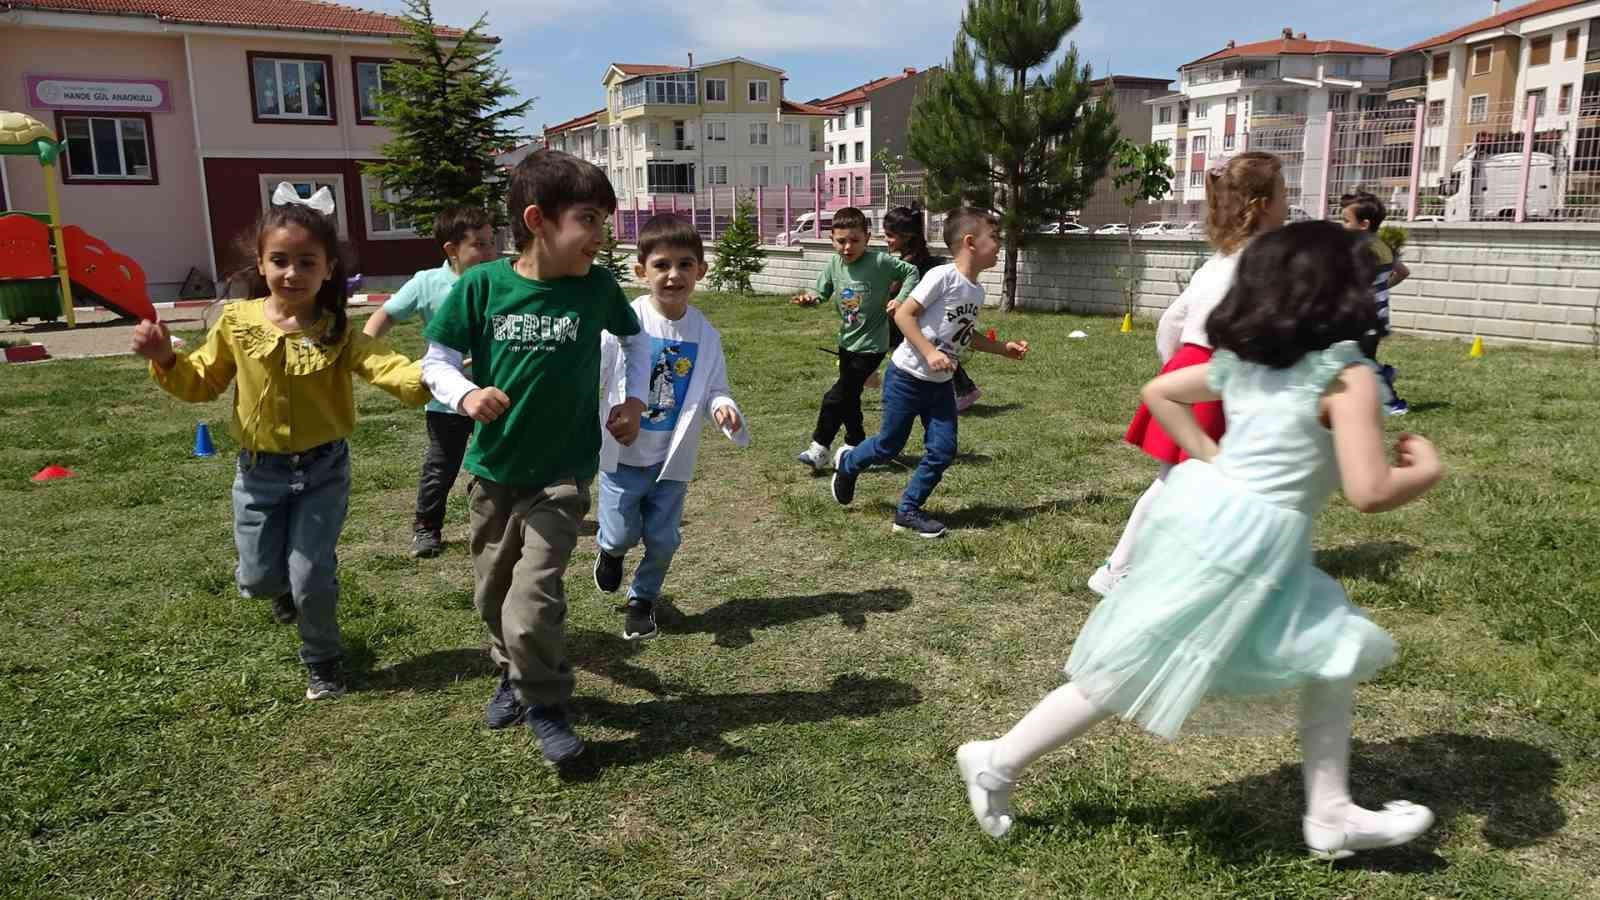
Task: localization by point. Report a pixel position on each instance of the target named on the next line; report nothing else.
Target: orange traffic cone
(51, 473)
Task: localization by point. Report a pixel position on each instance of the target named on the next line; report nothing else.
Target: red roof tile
(805, 109)
(631, 69)
(1526, 11)
(288, 15)
(580, 121)
(859, 93)
(1289, 47)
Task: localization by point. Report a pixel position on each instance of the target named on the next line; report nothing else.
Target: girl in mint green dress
(1233, 602)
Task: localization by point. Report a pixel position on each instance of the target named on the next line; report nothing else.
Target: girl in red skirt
(1245, 195)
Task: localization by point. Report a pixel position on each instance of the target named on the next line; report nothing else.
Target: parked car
(1153, 229)
(1063, 228)
(803, 229)
(1113, 228)
(1192, 230)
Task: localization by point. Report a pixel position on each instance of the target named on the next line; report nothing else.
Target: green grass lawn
(792, 732)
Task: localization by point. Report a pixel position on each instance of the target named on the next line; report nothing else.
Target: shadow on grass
(434, 671)
(987, 411)
(666, 727)
(1507, 784)
(1375, 561)
(908, 463)
(1431, 406)
(988, 515)
(732, 624)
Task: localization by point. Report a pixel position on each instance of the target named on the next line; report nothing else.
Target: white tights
(1122, 556)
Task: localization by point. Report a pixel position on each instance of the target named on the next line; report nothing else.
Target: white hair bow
(321, 201)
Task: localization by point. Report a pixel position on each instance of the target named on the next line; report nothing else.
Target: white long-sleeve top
(1184, 322)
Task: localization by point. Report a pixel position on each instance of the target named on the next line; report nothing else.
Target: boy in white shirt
(940, 322)
(643, 485)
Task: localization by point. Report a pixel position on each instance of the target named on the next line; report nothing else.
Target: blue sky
(557, 50)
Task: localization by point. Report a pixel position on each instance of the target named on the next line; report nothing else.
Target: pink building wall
(841, 197)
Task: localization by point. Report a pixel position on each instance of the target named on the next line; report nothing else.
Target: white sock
(1062, 715)
(1122, 556)
(1325, 713)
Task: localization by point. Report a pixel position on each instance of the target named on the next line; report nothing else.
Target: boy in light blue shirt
(468, 235)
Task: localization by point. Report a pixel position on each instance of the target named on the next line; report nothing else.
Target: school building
(181, 116)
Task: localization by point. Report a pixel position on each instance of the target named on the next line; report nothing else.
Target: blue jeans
(634, 506)
(906, 399)
(288, 511)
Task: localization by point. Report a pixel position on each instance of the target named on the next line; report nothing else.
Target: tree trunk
(1008, 295)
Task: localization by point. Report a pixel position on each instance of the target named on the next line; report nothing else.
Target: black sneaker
(556, 738)
(919, 523)
(283, 610)
(844, 486)
(426, 543)
(504, 709)
(640, 624)
(324, 681)
(607, 572)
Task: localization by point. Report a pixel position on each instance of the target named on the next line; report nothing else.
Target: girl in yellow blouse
(291, 356)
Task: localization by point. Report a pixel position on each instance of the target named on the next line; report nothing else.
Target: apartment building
(865, 120)
(1476, 82)
(681, 129)
(1130, 96)
(1257, 96)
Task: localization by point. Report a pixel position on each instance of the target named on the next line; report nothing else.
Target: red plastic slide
(109, 278)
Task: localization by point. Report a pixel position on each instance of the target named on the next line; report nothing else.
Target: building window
(1227, 142)
(1572, 44)
(1183, 147)
(758, 134)
(840, 120)
(680, 88)
(305, 186)
(653, 133)
(1538, 100)
(860, 186)
(1430, 159)
(1435, 113)
(861, 151)
(1197, 177)
(638, 178)
(1198, 144)
(1441, 66)
(1339, 102)
(383, 225)
(1339, 68)
(794, 134)
(716, 90)
(372, 78)
(1539, 51)
(760, 175)
(1564, 104)
(682, 135)
(716, 175)
(716, 132)
(794, 176)
(1200, 109)
(757, 91)
(109, 149)
(843, 149)
(1164, 115)
(1233, 106)
(1483, 59)
(861, 116)
(292, 88)
(1478, 108)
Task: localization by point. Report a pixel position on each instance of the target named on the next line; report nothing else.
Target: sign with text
(112, 94)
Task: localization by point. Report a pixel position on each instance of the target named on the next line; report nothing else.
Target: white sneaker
(1401, 821)
(815, 456)
(1104, 580)
(988, 793)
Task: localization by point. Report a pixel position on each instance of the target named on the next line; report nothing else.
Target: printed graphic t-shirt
(539, 342)
(674, 356)
(860, 293)
(950, 306)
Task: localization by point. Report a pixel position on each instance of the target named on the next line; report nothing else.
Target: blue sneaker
(504, 709)
(556, 738)
(1398, 407)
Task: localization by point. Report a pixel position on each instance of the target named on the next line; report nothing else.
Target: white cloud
(747, 27)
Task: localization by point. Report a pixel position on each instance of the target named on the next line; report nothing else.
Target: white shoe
(1104, 581)
(987, 792)
(815, 456)
(1401, 822)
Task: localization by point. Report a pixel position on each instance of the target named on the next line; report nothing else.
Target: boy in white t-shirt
(940, 322)
(643, 485)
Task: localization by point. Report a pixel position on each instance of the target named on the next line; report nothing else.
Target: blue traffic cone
(202, 441)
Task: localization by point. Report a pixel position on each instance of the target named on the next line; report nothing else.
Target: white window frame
(652, 131)
(760, 175)
(1430, 158)
(716, 132)
(1475, 117)
(1227, 142)
(1472, 60)
(861, 151)
(335, 182)
(278, 64)
(380, 66)
(1564, 99)
(844, 150)
(759, 129)
(1164, 115)
(721, 83)
(716, 174)
(1197, 178)
(73, 176)
(1199, 109)
(794, 176)
(859, 115)
(370, 186)
(1199, 144)
(798, 130)
(764, 95)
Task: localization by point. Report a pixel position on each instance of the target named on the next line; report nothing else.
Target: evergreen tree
(739, 254)
(443, 105)
(1030, 152)
(612, 261)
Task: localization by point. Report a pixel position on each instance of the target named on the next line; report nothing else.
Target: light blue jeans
(288, 511)
(635, 506)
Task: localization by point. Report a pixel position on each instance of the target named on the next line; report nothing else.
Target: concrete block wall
(1530, 283)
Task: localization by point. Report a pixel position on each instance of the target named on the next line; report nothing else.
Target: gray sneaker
(919, 523)
(426, 543)
(640, 621)
(324, 681)
(815, 456)
(557, 740)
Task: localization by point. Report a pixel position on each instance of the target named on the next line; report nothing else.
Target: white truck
(1485, 186)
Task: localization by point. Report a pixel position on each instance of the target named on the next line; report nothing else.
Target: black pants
(447, 445)
(841, 405)
(1369, 346)
(962, 383)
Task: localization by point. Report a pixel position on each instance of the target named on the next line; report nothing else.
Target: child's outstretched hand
(727, 419)
(485, 404)
(1015, 349)
(623, 421)
(153, 341)
(939, 362)
(1413, 451)
(804, 298)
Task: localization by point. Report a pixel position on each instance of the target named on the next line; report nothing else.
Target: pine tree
(739, 254)
(443, 105)
(1030, 152)
(612, 261)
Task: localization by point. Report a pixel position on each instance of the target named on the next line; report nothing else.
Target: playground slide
(96, 271)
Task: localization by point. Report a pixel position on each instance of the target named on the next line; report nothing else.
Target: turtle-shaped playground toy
(18, 129)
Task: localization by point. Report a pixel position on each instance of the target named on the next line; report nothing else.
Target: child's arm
(197, 376)
(1399, 273)
(1370, 483)
(388, 370)
(719, 399)
(1169, 398)
(442, 372)
(399, 308)
(378, 324)
(1008, 349)
(907, 318)
(624, 419)
(906, 276)
(822, 290)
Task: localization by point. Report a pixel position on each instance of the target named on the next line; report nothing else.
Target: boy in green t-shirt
(532, 327)
(862, 279)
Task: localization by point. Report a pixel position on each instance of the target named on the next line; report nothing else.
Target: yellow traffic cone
(1127, 323)
(1477, 348)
